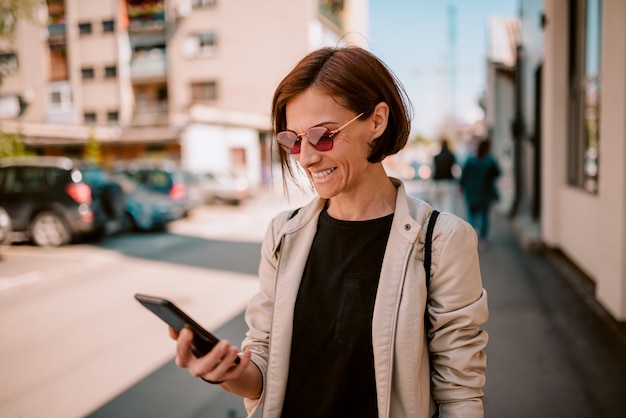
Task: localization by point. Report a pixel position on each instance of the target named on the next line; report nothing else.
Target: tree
(11, 145)
(93, 153)
(12, 11)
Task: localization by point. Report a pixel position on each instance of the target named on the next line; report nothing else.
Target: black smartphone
(203, 340)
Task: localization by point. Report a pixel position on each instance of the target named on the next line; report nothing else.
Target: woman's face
(344, 168)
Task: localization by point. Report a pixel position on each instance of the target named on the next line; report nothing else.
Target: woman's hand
(218, 365)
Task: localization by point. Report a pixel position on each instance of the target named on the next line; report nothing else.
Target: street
(76, 343)
(73, 336)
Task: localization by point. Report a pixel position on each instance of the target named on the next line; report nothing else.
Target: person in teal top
(478, 182)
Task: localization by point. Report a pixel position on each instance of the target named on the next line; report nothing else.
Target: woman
(338, 329)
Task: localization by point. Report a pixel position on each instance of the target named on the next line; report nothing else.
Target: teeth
(323, 174)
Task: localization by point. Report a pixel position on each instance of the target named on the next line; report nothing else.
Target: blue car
(146, 210)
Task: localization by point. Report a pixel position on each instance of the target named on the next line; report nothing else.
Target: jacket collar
(405, 216)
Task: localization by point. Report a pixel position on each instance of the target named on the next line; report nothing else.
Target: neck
(375, 199)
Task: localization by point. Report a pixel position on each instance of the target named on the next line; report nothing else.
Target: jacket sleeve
(457, 309)
(259, 310)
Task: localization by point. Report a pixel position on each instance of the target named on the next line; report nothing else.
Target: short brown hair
(356, 79)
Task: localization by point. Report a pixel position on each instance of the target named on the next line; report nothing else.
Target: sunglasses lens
(289, 141)
(320, 138)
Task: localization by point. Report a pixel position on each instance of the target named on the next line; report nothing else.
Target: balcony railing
(149, 64)
(57, 29)
(150, 113)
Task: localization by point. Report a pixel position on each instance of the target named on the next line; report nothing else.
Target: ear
(380, 117)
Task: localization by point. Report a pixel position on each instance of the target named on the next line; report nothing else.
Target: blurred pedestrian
(338, 328)
(478, 182)
(444, 182)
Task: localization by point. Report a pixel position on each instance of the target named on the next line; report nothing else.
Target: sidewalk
(550, 353)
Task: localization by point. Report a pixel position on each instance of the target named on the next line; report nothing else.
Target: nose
(308, 154)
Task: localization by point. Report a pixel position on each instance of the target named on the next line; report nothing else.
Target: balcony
(149, 65)
(150, 113)
(56, 30)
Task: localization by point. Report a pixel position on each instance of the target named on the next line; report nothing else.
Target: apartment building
(185, 79)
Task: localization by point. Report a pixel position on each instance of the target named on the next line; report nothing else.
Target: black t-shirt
(331, 368)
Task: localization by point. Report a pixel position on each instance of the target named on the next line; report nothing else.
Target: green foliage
(420, 139)
(11, 11)
(11, 145)
(93, 153)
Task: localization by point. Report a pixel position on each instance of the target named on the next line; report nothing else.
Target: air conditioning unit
(183, 8)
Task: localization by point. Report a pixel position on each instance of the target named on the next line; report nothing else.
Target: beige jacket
(457, 308)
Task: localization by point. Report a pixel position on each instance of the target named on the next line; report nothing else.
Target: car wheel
(128, 223)
(49, 230)
(113, 201)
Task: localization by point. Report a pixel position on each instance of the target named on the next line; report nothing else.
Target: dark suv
(54, 200)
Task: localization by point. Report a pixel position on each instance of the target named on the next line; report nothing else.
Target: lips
(322, 174)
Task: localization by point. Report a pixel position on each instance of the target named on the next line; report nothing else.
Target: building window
(110, 72)
(207, 43)
(202, 44)
(55, 98)
(89, 117)
(203, 3)
(108, 26)
(585, 87)
(84, 28)
(59, 97)
(87, 73)
(204, 91)
(8, 63)
(113, 116)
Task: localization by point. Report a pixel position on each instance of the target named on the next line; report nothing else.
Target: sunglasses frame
(328, 133)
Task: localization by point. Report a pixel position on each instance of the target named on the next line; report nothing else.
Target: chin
(324, 193)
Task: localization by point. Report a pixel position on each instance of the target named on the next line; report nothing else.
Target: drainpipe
(517, 128)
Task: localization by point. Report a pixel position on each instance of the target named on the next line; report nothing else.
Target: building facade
(190, 80)
(573, 130)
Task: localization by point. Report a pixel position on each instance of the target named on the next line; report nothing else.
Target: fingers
(217, 365)
(183, 348)
(227, 369)
(173, 333)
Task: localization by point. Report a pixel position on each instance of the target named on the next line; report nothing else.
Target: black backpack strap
(294, 213)
(428, 246)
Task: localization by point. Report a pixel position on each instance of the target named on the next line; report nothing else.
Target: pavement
(553, 351)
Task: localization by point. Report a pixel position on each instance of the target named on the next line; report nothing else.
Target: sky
(413, 38)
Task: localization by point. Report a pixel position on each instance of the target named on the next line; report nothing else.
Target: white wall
(590, 229)
(206, 147)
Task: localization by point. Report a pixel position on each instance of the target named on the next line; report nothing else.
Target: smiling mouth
(322, 174)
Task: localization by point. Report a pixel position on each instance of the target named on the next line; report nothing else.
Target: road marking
(20, 280)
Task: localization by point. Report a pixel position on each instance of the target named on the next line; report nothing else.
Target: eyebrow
(321, 124)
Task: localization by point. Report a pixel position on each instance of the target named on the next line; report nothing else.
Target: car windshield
(153, 179)
(94, 176)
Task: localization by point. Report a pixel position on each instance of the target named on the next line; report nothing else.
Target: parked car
(55, 200)
(168, 178)
(146, 210)
(225, 188)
